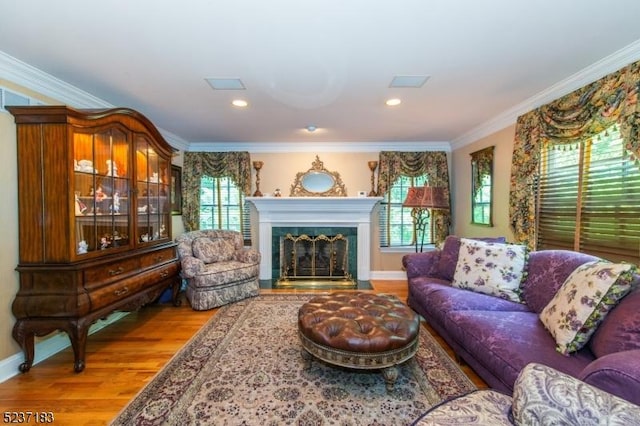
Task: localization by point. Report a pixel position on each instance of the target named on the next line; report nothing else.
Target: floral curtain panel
(235, 165)
(432, 163)
(579, 115)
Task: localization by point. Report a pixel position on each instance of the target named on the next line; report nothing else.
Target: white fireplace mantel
(315, 211)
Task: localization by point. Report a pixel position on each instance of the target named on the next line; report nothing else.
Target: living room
(283, 159)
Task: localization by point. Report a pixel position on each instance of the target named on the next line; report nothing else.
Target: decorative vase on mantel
(373, 165)
(257, 165)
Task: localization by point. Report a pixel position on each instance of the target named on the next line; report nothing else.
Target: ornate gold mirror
(318, 182)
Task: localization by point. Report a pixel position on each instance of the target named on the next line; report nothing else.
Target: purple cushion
(504, 342)
(617, 373)
(548, 270)
(449, 255)
(620, 330)
(436, 298)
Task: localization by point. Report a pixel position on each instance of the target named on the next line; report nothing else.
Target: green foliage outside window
(221, 204)
(482, 202)
(396, 224)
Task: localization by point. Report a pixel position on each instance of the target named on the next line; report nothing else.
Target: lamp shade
(426, 197)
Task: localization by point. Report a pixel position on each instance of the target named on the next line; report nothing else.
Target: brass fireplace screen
(315, 260)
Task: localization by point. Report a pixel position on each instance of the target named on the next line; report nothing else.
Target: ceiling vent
(226, 83)
(414, 81)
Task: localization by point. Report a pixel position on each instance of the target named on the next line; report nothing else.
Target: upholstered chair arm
(543, 395)
(617, 373)
(191, 266)
(479, 408)
(420, 264)
(248, 256)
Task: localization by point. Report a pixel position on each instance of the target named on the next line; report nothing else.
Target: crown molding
(31, 78)
(284, 147)
(607, 65)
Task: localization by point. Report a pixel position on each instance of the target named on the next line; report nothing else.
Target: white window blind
(222, 206)
(396, 224)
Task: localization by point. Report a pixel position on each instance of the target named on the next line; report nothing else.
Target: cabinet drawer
(157, 257)
(110, 272)
(120, 290)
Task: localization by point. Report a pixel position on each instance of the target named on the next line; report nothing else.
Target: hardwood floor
(121, 359)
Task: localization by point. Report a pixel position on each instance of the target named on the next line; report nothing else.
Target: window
(481, 184)
(481, 202)
(222, 206)
(396, 224)
(589, 198)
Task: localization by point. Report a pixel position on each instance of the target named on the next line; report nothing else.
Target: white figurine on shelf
(112, 168)
(86, 166)
(83, 247)
(154, 178)
(116, 202)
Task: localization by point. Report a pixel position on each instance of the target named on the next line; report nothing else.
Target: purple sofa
(498, 338)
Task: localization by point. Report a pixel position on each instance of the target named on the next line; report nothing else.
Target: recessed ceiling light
(240, 103)
(311, 128)
(393, 102)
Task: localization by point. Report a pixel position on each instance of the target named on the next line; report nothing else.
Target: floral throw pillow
(210, 251)
(583, 301)
(491, 268)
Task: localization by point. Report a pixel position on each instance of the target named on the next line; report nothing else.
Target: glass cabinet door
(152, 180)
(101, 190)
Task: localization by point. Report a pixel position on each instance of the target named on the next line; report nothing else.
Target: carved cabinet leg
(78, 335)
(25, 339)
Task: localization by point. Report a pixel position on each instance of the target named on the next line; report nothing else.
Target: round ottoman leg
(390, 375)
(306, 359)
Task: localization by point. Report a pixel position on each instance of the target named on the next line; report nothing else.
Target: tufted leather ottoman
(359, 330)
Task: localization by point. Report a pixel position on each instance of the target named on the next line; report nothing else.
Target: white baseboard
(9, 367)
(388, 275)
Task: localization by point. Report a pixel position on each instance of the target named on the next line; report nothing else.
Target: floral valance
(434, 164)
(234, 165)
(579, 115)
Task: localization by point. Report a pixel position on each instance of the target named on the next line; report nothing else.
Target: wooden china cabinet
(95, 220)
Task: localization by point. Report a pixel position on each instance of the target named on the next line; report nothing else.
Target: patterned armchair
(217, 268)
(541, 396)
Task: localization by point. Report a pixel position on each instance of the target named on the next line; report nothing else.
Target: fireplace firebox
(315, 260)
(314, 257)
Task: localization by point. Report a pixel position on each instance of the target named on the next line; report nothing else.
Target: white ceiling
(326, 63)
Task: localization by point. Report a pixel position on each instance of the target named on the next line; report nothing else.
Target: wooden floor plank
(121, 359)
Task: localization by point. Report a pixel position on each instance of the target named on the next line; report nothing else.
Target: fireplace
(314, 216)
(304, 257)
(314, 256)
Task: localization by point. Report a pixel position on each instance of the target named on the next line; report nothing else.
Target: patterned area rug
(244, 367)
